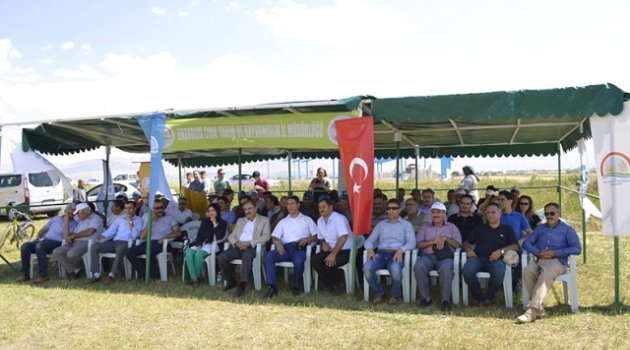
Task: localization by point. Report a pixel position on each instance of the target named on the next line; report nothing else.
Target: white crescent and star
(360, 162)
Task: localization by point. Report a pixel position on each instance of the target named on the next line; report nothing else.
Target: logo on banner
(169, 136)
(615, 168)
(332, 131)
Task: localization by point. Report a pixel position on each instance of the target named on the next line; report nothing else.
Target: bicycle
(17, 232)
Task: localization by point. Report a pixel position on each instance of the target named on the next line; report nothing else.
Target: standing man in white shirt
(334, 235)
(291, 237)
(126, 227)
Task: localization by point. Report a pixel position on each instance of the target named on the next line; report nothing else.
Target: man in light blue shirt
(124, 231)
(51, 237)
(393, 237)
(552, 243)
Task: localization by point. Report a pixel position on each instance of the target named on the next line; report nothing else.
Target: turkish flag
(356, 147)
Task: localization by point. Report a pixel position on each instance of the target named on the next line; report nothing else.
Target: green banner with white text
(307, 130)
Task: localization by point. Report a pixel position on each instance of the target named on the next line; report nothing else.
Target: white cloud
(344, 22)
(6, 48)
(14, 53)
(232, 6)
(68, 45)
(46, 48)
(46, 61)
(158, 11)
(83, 72)
(85, 49)
(182, 13)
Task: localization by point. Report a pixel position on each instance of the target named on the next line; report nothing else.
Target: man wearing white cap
(70, 255)
(437, 243)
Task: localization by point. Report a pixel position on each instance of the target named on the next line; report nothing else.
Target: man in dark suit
(248, 232)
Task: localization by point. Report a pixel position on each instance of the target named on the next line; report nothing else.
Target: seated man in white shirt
(291, 238)
(180, 213)
(248, 232)
(126, 227)
(334, 235)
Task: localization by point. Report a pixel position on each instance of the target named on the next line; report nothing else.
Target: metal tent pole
(289, 161)
(559, 186)
(240, 182)
(416, 162)
(179, 166)
(397, 138)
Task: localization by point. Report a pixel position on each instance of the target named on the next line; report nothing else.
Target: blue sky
(64, 59)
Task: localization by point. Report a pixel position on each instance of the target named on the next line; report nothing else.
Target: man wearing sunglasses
(163, 227)
(551, 243)
(393, 236)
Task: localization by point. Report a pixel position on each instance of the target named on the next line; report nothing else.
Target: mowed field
(131, 314)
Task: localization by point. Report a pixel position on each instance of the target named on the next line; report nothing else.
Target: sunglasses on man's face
(550, 213)
(392, 208)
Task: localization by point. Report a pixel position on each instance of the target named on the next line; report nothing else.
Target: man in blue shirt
(198, 185)
(491, 241)
(551, 243)
(51, 237)
(393, 237)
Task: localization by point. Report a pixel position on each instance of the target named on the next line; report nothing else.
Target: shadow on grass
(174, 288)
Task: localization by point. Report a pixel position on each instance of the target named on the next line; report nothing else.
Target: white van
(35, 192)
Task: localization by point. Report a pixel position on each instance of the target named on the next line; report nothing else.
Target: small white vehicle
(34, 192)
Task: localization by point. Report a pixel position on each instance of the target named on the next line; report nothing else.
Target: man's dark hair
(507, 194)
(467, 196)
(118, 203)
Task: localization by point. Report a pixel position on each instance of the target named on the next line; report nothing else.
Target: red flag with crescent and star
(356, 148)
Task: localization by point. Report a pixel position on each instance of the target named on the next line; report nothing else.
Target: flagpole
(179, 166)
(583, 232)
(147, 266)
(353, 263)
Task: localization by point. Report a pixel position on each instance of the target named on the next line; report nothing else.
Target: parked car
(119, 186)
(247, 182)
(33, 192)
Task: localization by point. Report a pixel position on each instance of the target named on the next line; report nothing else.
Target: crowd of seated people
(284, 228)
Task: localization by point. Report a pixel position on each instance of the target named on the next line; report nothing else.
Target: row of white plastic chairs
(568, 279)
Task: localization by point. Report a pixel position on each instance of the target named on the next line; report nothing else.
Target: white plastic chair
(256, 264)
(62, 271)
(163, 257)
(568, 279)
(306, 276)
(345, 268)
(86, 261)
(406, 278)
(126, 263)
(433, 274)
(195, 217)
(483, 279)
(191, 228)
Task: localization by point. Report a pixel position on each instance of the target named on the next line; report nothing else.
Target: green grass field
(131, 314)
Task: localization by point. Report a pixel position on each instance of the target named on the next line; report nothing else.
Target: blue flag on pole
(153, 128)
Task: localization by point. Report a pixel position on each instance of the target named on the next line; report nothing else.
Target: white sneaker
(527, 317)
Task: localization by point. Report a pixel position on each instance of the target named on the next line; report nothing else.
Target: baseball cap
(308, 194)
(137, 194)
(515, 188)
(438, 206)
(80, 207)
(415, 190)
